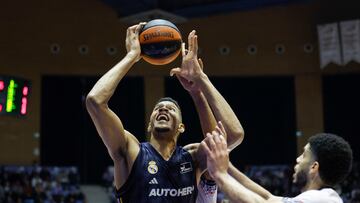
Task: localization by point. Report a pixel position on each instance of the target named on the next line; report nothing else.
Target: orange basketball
(160, 42)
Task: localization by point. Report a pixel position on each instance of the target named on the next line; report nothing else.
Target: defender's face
(165, 117)
(302, 167)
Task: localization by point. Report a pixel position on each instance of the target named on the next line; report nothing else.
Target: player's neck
(316, 184)
(164, 147)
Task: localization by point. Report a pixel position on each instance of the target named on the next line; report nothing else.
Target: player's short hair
(334, 155)
(170, 100)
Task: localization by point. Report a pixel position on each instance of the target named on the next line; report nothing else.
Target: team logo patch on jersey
(152, 168)
(185, 167)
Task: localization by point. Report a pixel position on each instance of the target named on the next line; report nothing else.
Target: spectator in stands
(73, 176)
(355, 196)
(2, 192)
(25, 185)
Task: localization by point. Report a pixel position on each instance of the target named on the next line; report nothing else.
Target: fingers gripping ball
(160, 42)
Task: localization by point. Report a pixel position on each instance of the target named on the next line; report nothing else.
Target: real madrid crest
(152, 168)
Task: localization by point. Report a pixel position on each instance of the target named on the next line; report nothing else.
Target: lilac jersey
(326, 195)
(207, 191)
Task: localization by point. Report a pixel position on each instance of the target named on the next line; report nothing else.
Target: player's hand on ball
(132, 41)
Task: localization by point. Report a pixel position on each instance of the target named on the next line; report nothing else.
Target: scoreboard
(14, 94)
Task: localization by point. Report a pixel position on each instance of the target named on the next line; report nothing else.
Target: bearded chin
(162, 130)
(301, 179)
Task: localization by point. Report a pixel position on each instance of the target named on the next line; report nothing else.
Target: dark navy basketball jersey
(153, 179)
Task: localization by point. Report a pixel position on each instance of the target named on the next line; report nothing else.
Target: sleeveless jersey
(207, 191)
(153, 179)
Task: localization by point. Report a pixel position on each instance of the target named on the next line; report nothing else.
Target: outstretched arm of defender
(192, 72)
(189, 57)
(206, 116)
(217, 157)
(247, 182)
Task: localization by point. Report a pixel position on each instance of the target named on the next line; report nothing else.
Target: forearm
(222, 112)
(107, 123)
(207, 119)
(106, 85)
(235, 191)
(248, 183)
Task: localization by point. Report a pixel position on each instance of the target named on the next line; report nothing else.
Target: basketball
(160, 42)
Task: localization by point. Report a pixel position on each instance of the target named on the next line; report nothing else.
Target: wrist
(220, 178)
(133, 55)
(195, 93)
(203, 79)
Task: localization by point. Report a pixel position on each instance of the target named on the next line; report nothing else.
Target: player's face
(165, 117)
(302, 167)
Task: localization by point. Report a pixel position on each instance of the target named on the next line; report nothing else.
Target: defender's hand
(217, 154)
(191, 68)
(189, 85)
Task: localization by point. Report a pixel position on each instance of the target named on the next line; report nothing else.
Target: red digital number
(2, 85)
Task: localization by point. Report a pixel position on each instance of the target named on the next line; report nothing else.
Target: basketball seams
(161, 22)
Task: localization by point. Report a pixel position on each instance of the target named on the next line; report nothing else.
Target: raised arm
(192, 72)
(217, 154)
(223, 112)
(122, 146)
(247, 182)
(206, 116)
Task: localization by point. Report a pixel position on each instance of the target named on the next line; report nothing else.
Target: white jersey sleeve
(207, 191)
(325, 195)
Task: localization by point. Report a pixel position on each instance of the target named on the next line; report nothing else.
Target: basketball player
(159, 171)
(325, 162)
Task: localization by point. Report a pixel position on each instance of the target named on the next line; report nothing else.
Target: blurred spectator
(37, 184)
(108, 180)
(355, 196)
(74, 178)
(108, 177)
(2, 193)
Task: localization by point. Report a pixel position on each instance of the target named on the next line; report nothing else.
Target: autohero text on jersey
(165, 192)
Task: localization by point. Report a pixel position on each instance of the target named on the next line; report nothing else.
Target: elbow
(92, 102)
(236, 138)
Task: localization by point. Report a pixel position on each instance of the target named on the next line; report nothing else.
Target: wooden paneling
(27, 31)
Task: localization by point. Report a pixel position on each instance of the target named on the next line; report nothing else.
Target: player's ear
(314, 168)
(181, 128)
(149, 127)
